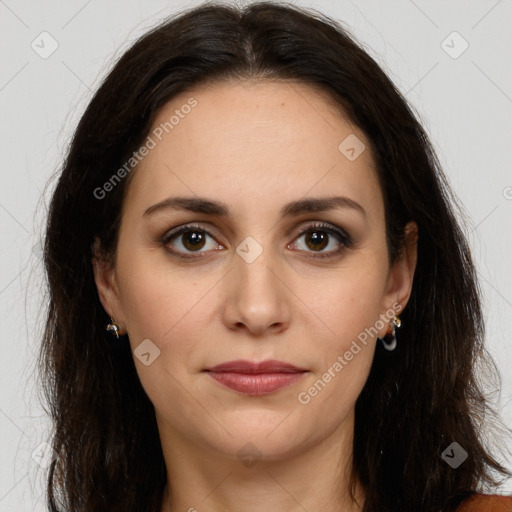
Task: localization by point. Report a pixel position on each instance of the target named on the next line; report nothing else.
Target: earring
(389, 340)
(113, 328)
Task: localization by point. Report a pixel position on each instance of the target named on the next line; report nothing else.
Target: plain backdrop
(452, 60)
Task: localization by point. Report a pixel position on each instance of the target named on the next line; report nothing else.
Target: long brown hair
(417, 400)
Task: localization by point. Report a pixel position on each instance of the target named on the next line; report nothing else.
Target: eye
(189, 239)
(192, 238)
(318, 236)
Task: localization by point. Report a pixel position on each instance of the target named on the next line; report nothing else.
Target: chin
(256, 440)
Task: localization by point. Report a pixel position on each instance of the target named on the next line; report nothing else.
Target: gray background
(463, 99)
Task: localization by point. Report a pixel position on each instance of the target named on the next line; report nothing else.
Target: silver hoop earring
(113, 328)
(389, 339)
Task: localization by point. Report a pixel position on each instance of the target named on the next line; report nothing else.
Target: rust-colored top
(487, 503)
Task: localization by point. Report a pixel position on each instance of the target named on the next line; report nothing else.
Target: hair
(417, 400)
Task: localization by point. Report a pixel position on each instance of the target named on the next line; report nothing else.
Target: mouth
(254, 378)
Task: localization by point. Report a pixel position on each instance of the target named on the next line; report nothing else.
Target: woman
(260, 297)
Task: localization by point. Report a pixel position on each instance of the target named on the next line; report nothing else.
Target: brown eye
(193, 240)
(318, 240)
(319, 236)
(188, 239)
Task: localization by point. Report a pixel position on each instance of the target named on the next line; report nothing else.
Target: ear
(401, 274)
(106, 283)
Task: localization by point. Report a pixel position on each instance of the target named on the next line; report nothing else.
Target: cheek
(344, 355)
(347, 303)
(170, 307)
(346, 309)
(166, 309)
(154, 298)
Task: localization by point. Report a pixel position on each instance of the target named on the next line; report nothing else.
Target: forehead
(263, 140)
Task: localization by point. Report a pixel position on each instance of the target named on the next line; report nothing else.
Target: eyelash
(344, 239)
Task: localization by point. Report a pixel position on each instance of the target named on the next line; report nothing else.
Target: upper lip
(243, 366)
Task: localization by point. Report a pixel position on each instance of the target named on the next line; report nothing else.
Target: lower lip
(256, 384)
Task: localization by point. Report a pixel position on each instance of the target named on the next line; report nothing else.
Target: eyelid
(332, 230)
(175, 232)
(329, 228)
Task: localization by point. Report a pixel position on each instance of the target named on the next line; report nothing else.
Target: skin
(254, 145)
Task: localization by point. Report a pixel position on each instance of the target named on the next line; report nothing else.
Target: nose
(258, 298)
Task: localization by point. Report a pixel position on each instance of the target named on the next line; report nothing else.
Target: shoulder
(486, 503)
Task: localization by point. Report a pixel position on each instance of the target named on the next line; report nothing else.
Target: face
(254, 274)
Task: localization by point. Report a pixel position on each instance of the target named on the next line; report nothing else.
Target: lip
(254, 378)
(244, 366)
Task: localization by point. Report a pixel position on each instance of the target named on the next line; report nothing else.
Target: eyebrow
(294, 208)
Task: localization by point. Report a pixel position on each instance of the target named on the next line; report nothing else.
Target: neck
(316, 478)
